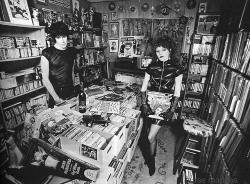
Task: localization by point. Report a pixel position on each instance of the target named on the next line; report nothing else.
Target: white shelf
(19, 59)
(31, 91)
(3, 23)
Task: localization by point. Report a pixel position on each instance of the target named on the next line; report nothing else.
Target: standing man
(57, 65)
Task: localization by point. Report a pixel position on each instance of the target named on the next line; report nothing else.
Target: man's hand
(58, 100)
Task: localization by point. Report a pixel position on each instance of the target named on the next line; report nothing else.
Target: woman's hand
(146, 110)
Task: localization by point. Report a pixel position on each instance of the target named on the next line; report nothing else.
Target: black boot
(151, 166)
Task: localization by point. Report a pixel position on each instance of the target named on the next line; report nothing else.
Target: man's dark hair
(58, 29)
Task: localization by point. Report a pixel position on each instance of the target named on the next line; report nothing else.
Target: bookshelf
(19, 77)
(198, 66)
(228, 99)
(91, 62)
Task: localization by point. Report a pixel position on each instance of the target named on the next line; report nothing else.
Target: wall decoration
(202, 7)
(43, 2)
(191, 4)
(114, 16)
(165, 10)
(112, 6)
(64, 3)
(105, 18)
(114, 29)
(18, 12)
(208, 23)
(177, 6)
(145, 7)
(75, 8)
(132, 8)
(113, 45)
(120, 9)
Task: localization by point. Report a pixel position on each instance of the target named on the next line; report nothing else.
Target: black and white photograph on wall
(114, 29)
(202, 7)
(105, 18)
(114, 16)
(75, 8)
(207, 24)
(18, 11)
(113, 45)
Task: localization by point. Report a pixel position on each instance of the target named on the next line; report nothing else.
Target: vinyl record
(145, 7)
(164, 10)
(111, 6)
(120, 8)
(132, 8)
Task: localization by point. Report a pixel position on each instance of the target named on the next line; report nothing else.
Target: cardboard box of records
(93, 145)
(113, 173)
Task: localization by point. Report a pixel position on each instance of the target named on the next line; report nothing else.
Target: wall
(212, 6)
(58, 8)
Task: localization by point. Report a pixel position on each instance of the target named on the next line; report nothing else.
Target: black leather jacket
(162, 75)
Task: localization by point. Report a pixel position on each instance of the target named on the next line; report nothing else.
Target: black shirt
(60, 66)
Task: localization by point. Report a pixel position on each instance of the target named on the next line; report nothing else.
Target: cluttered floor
(137, 172)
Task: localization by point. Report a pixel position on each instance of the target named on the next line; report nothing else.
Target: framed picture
(202, 7)
(88, 38)
(114, 16)
(43, 2)
(105, 19)
(18, 11)
(113, 45)
(143, 62)
(208, 23)
(114, 29)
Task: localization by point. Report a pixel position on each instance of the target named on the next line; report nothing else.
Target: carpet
(136, 171)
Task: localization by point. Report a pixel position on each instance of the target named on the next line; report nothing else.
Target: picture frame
(113, 45)
(88, 39)
(43, 2)
(114, 29)
(114, 16)
(18, 13)
(105, 19)
(202, 7)
(208, 23)
(143, 62)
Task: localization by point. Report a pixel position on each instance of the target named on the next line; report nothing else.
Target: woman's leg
(154, 129)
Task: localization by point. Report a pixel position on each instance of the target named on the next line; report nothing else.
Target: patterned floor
(137, 173)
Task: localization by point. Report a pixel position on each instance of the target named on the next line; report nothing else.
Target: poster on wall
(113, 45)
(114, 29)
(207, 24)
(18, 11)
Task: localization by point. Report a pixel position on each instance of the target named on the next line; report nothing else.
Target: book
(88, 39)
(67, 165)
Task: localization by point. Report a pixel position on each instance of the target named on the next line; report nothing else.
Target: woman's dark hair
(58, 29)
(167, 42)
